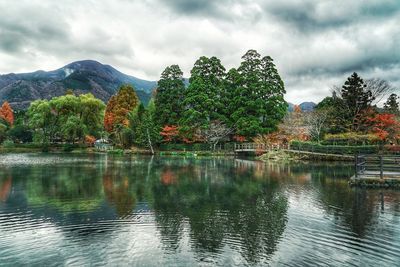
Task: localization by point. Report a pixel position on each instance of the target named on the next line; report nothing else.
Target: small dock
(379, 171)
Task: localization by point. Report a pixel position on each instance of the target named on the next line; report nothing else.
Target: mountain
(87, 76)
(305, 106)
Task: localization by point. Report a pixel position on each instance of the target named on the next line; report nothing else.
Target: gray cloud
(315, 44)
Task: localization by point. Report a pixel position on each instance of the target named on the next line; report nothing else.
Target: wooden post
(381, 166)
(356, 164)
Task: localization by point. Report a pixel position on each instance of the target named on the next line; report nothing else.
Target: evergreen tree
(169, 96)
(356, 99)
(146, 132)
(257, 102)
(203, 98)
(391, 105)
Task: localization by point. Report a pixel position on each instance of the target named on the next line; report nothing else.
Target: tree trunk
(149, 140)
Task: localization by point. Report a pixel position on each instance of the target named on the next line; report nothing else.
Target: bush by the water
(8, 144)
(194, 147)
(333, 149)
(350, 139)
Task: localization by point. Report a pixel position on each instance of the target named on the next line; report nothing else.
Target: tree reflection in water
(5, 187)
(209, 205)
(222, 204)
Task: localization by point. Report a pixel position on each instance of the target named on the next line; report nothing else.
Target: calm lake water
(81, 210)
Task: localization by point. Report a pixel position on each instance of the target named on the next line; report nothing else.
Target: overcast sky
(315, 44)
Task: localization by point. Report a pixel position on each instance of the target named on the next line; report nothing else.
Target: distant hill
(305, 106)
(87, 76)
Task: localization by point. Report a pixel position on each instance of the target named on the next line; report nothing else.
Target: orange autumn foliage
(169, 132)
(6, 113)
(89, 139)
(119, 106)
(168, 177)
(5, 189)
(109, 121)
(385, 126)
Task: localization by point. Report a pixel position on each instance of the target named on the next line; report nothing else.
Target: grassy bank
(293, 155)
(79, 148)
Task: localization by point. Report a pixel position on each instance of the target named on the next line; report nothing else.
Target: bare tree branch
(316, 122)
(215, 132)
(379, 88)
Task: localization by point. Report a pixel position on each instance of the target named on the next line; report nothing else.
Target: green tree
(146, 131)
(73, 128)
(205, 96)
(356, 99)
(20, 133)
(258, 103)
(42, 120)
(391, 105)
(66, 117)
(92, 114)
(334, 107)
(136, 125)
(169, 96)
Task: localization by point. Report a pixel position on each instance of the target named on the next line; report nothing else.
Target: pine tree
(392, 106)
(356, 100)
(169, 96)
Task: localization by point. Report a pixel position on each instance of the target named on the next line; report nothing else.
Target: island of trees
(215, 107)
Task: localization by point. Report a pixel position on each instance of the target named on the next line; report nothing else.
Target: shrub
(68, 147)
(350, 138)
(8, 144)
(334, 149)
(116, 151)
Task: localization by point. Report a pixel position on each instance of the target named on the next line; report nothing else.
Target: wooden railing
(256, 146)
(377, 165)
(249, 146)
(360, 164)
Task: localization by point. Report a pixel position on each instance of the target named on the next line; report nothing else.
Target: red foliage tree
(239, 138)
(169, 132)
(385, 127)
(6, 113)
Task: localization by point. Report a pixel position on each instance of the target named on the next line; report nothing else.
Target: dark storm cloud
(310, 15)
(26, 28)
(191, 7)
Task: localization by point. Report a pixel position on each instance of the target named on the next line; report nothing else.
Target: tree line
(350, 116)
(216, 105)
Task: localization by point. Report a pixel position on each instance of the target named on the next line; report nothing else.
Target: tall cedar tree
(169, 96)
(258, 103)
(391, 105)
(6, 113)
(118, 107)
(356, 100)
(205, 94)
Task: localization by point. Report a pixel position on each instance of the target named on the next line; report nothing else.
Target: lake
(97, 209)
